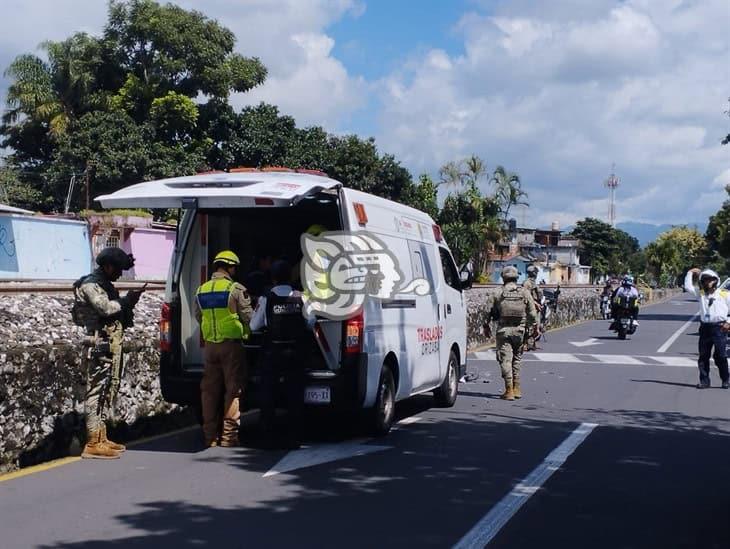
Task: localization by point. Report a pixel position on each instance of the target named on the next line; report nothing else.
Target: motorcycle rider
(628, 291)
(714, 324)
(606, 297)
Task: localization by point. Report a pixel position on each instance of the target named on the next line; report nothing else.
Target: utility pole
(88, 183)
(612, 183)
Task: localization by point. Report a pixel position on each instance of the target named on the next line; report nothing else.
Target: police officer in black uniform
(284, 344)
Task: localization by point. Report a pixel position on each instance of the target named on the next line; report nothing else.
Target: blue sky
(556, 91)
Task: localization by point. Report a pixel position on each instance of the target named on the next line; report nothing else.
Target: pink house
(150, 242)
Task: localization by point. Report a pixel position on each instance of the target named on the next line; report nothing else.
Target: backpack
(512, 305)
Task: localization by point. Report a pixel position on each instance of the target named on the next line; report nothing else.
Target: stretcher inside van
(389, 350)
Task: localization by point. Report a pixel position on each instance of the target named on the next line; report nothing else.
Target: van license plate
(317, 395)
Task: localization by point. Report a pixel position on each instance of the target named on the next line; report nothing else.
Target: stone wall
(574, 305)
(42, 380)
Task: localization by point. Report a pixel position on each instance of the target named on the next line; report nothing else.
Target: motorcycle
(549, 305)
(624, 323)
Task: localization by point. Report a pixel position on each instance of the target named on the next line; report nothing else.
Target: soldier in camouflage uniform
(531, 286)
(515, 312)
(103, 315)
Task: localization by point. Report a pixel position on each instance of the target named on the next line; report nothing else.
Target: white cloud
(288, 35)
(559, 96)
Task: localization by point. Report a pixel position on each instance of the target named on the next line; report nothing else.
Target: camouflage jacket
(532, 286)
(495, 304)
(98, 305)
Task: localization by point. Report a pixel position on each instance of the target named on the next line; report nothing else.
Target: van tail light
(263, 201)
(354, 334)
(165, 328)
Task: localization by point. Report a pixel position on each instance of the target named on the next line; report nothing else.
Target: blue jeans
(711, 336)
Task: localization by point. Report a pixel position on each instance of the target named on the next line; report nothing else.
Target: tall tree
(607, 250)
(674, 252)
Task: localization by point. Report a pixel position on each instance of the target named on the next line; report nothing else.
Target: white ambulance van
(393, 349)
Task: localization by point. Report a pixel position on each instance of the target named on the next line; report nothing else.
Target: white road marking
(623, 360)
(586, 343)
(681, 361)
(557, 357)
(618, 359)
(668, 343)
(317, 454)
(489, 526)
(484, 355)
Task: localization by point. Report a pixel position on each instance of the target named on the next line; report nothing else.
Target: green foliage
(718, 237)
(116, 212)
(609, 251)
(168, 48)
(674, 252)
(422, 196)
(121, 108)
(15, 193)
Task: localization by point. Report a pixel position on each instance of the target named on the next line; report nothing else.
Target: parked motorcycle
(549, 306)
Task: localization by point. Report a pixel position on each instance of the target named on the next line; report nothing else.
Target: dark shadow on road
(669, 317)
(639, 469)
(661, 382)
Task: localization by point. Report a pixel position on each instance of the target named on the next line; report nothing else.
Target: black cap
(115, 257)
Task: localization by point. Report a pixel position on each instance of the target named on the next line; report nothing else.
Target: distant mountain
(646, 232)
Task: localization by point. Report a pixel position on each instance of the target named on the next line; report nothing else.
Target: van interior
(250, 233)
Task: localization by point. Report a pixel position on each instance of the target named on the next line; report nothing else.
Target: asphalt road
(653, 472)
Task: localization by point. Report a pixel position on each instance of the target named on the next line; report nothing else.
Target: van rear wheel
(382, 416)
(445, 395)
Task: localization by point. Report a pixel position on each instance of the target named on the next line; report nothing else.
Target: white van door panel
(451, 309)
(219, 190)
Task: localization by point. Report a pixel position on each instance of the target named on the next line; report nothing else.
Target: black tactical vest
(284, 319)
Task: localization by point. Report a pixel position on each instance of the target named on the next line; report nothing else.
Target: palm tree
(508, 190)
(57, 91)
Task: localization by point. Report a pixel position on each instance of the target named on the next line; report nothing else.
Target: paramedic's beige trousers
(222, 384)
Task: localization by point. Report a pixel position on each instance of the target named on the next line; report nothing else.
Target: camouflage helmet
(532, 271)
(115, 257)
(510, 274)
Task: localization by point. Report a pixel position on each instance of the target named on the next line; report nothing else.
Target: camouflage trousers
(103, 378)
(509, 352)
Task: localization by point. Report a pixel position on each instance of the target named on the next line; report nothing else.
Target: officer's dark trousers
(711, 336)
(277, 364)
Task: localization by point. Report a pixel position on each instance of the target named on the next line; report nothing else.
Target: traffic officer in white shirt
(714, 324)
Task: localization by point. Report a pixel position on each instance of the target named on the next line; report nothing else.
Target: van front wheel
(381, 417)
(445, 394)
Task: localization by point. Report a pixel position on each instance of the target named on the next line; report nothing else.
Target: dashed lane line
(570, 358)
(489, 526)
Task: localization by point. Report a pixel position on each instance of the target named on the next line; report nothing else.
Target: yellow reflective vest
(218, 323)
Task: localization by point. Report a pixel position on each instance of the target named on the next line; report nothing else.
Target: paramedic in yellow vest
(223, 309)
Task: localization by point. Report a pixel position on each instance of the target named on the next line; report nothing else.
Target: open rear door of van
(220, 190)
(181, 361)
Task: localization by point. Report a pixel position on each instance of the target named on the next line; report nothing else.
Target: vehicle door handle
(448, 308)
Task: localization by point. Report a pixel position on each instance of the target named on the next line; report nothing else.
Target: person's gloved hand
(133, 296)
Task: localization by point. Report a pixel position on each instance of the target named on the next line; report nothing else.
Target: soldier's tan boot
(516, 390)
(111, 444)
(96, 449)
(508, 390)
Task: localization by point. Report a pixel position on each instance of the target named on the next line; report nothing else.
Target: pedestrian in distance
(514, 310)
(714, 324)
(104, 315)
(223, 309)
(531, 286)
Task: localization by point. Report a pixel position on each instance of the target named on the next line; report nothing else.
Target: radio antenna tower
(612, 183)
